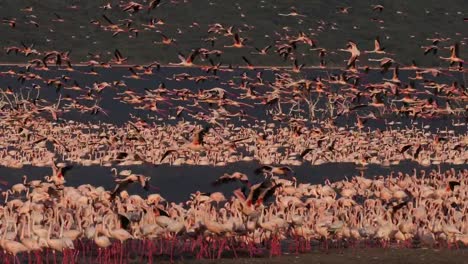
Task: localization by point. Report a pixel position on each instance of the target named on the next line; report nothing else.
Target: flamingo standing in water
(11, 246)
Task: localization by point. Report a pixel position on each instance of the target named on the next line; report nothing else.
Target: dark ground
(391, 255)
(374, 255)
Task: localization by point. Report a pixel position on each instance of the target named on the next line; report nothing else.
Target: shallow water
(175, 183)
(403, 27)
(169, 178)
(119, 112)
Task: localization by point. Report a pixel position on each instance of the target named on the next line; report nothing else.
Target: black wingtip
(452, 184)
(124, 221)
(258, 171)
(162, 212)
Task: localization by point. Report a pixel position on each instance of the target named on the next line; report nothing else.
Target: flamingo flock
(42, 218)
(190, 144)
(112, 105)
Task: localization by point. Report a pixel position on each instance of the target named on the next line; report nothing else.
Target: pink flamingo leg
(221, 247)
(231, 244)
(121, 253)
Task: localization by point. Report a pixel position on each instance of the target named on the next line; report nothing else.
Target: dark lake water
(119, 112)
(175, 183)
(403, 27)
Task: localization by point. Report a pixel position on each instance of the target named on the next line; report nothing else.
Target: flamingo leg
(150, 252)
(107, 255)
(213, 247)
(205, 248)
(121, 252)
(200, 252)
(231, 244)
(221, 247)
(141, 249)
(161, 246)
(38, 257)
(126, 251)
(252, 248)
(172, 249)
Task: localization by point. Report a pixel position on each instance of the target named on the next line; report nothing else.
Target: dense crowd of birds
(348, 93)
(424, 209)
(201, 111)
(35, 142)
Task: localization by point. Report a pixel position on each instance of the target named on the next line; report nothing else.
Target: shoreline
(260, 67)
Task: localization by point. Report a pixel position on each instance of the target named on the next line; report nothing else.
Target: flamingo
(187, 61)
(11, 246)
(355, 53)
(454, 56)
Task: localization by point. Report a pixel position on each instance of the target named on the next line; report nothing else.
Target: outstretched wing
(223, 179)
(117, 54)
(452, 184)
(286, 168)
(124, 222)
(121, 186)
(246, 61)
(405, 148)
(263, 169)
(377, 43)
(66, 169)
(198, 136)
(269, 193)
(305, 152)
(153, 4)
(167, 153)
(417, 151)
(237, 38)
(352, 62)
(193, 55)
(108, 20)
